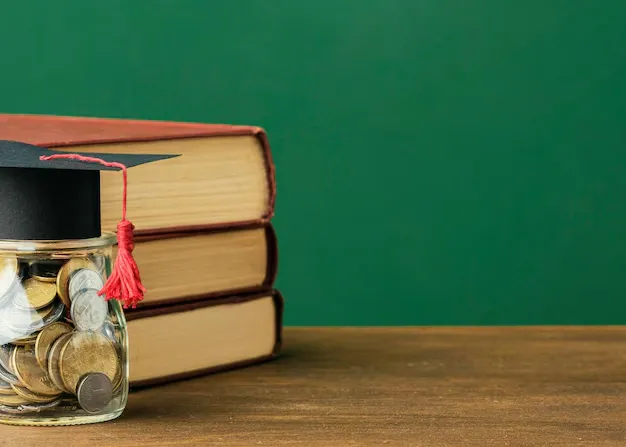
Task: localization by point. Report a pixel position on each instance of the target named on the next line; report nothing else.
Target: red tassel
(124, 283)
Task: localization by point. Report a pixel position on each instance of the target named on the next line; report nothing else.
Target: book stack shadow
(204, 241)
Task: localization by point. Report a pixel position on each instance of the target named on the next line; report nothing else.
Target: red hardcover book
(225, 177)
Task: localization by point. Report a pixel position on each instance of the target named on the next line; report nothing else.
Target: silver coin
(56, 314)
(6, 351)
(84, 279)
(94, 392)
(33, 408)
(89, 310)
(100, 261)
(109, 331)
(6, 386)
(19, 323)
(12, 410)
(9, 377)
(8, 334)
(40, 407)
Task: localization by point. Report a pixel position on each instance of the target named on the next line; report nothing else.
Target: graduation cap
(53, 195)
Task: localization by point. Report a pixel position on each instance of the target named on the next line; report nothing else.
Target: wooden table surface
(401, 386)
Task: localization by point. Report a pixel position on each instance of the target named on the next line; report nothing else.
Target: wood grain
(400, 386)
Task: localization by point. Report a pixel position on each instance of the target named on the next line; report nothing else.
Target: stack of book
(203, 238)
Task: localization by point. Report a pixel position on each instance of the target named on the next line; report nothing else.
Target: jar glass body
(63, 347)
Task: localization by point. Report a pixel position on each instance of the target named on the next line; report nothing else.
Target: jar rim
(106, 239)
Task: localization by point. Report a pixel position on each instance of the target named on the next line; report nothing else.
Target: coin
(8, 273)
(32, 397)
(9, 335)
(101, 262)
(38, 294)
(53, 361)
(94, 392)
(89, 310)
(28, 340)
(22, 323)
(30, 373)
(46, 269)
(49, 279)
(41, 407)
(13, 400)
(8, 376)
(30, 408)
(117, 381)
(5, 356)
(63, 278)
(12, 364)
(84, 279)
(5, 388)
(56, 312)
(110, 331)
(46, 338)
(84, 353)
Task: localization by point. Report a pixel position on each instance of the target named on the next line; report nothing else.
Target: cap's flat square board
(14, 154)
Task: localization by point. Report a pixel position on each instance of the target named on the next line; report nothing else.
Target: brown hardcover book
(182, 267)
(187, 340)
(224, 178)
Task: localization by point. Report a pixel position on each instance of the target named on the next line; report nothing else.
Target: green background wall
(439, 161)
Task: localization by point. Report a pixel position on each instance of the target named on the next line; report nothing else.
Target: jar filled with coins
(62, 345)
(63, 338)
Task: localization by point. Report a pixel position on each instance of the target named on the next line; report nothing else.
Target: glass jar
(63, 348)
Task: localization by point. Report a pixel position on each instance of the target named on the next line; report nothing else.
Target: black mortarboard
(55, 199)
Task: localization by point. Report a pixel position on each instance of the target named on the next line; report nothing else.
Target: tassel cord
(124, 283)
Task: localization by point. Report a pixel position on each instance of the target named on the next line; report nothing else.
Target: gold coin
(13, 400)
(32, 397)
(30, 373)
(8, 272)
(5, 388)
(39, 294)
(46, 338)
(50, 279)
(53, 360)
(12, 361)
(63, 278)
(84, 353)
(117, 382)
(28, 340)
